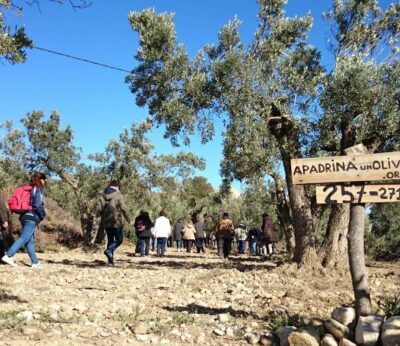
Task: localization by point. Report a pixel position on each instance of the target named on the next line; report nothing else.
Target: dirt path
(181, 299)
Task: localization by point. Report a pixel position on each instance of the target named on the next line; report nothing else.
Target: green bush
(391, 306)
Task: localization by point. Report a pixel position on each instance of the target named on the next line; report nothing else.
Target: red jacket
(268, 231)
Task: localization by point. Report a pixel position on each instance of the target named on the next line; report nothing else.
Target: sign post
(351, 168)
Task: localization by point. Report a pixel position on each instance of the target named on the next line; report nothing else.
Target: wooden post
(359, 275)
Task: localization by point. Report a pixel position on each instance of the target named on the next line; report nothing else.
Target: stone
(72, 336)
(219, 332)
(337, 329)
(283, 334)
(154, 339)
(328, 340)
(140, 328)
(25, 315)
(29, 331)
(248, 329)
(344, 315)
(224, 318)
(229, 332)
(368, 329)
(67, 312)
(81, 307)
(391, 332)
(317, 324)
(304, 337)
(54, 307)
(266, 340)
(141, 337)
(253, 338)
(346, 342)
(175, 332)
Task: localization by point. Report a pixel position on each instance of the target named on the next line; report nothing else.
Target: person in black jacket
(200, 234)
(254, 238)
(29, 222)
(177, 234)
(143, 226)
(3, 222)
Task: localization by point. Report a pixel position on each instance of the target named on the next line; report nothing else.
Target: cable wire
(81, 59)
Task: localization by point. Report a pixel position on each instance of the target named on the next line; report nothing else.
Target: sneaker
(109, 257)
(9, 260)
(36, 265)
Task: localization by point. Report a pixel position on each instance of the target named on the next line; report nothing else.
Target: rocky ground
(181, 299)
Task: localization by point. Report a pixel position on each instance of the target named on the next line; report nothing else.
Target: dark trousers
(144, 246)
(115, 236)
(224, 247)
(200, 245)
(2, 248)
(161, 244)
(241, 246)
(189, 244)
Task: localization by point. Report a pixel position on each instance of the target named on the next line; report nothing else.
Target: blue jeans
(253, 247)
(241, 246)
(26, 239)
(179, 244)
(161, 242)
(144, 246)
(115, 236)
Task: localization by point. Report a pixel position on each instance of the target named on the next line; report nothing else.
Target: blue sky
(94, 100)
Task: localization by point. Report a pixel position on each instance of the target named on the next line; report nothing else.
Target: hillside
(181, 299)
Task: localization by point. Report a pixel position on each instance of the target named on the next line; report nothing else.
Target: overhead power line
(81, 59)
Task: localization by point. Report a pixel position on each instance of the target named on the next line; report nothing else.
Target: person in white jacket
(162, 230)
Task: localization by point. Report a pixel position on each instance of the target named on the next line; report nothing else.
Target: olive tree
(263, 84)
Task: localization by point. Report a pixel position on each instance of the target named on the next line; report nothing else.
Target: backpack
(141, 225)
(20, 201)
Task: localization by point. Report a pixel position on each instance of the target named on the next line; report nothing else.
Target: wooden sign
(336, 169)
(361, 193)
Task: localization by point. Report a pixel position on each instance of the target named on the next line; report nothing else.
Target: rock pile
(343, 329)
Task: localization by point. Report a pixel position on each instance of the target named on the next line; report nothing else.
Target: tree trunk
(285, 134)
(89, 224)
(333, 252)
(284, 215)
(359, 275)
(316, 213)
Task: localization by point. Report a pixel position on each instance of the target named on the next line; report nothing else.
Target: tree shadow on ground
(170, 262)
(80, 264)
(205, 310)
(275, 317)
(187, 264)
(4, 297)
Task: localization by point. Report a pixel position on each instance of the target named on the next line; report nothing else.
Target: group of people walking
(185, 233)
(113, 211)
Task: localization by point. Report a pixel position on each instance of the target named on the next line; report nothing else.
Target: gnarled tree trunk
(285, 134)
(89, 222)
(284, 215)
(333, 252)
